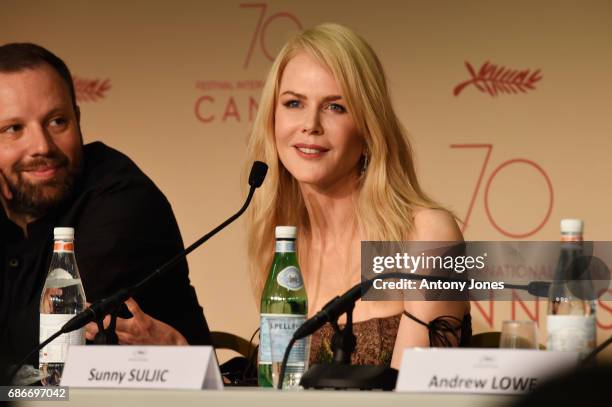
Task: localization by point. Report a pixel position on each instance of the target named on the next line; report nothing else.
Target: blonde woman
(341, 170)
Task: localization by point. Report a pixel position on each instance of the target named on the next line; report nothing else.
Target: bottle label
(571, 333)
(63, 247)
(571, 237)
(275, 333)
(58, 278)
(285, 246)
(57, 351)
(290, 278)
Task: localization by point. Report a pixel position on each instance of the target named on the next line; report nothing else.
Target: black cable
(281, 375)
(591, 356)
(251, 356)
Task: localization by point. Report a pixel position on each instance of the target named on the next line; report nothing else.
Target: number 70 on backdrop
(488, 317)
(489, 181)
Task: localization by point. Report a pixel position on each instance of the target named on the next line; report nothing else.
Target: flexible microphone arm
(98, 310)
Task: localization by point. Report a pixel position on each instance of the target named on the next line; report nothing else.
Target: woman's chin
(312, 181)
(319, 178)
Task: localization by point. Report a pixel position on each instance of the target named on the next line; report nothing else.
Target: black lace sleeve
(445, 327)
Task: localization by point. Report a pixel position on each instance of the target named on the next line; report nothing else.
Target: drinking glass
(519, 335)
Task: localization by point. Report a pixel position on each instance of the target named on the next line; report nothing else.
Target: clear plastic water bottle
(571, 314)
(284, 307)
(62, 297)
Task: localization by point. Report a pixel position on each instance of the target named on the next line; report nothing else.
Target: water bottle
(62, 297)
(284, 307)
(571, 319)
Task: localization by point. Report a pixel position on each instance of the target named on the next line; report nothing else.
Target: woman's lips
(310, 150)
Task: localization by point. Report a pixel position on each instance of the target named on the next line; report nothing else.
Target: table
(269, 398)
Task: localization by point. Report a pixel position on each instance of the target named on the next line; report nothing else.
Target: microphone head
(538, 288)
(258, 174)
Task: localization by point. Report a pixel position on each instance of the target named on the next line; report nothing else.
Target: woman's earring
(366, 160)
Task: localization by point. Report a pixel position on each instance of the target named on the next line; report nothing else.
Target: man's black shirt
(124, 229)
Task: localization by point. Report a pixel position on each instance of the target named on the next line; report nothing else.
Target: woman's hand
(141, 329)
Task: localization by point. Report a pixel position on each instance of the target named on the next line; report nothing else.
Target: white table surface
(268, 398)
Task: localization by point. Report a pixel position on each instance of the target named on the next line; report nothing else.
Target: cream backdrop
(175, 84)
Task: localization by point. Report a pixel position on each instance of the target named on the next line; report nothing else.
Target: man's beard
(38, 199)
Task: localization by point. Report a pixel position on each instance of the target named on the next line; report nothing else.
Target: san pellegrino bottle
(284, 307)
(571, 319)
(62, 297)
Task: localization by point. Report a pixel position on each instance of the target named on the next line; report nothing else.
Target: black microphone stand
(111, 305)
(344, 340)
(341, 374)
(107, 336)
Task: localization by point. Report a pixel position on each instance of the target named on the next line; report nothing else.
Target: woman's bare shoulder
(435, 225)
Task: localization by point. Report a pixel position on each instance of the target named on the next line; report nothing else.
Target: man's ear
(5, 191)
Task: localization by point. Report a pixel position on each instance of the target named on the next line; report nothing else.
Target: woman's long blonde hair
(388, 189)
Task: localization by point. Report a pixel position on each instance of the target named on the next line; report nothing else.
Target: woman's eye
(337, 108)
(292, 104)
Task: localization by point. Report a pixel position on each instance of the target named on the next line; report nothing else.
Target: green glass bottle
(284, 307)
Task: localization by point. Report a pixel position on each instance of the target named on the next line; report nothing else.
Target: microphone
(340, 304)
(330, 312)
(258, 173)
(535, 288)
(98, 310)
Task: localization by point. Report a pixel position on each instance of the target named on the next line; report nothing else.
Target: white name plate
(142, 367)
(493, 371)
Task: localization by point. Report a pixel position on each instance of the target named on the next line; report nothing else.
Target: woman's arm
(429, 225)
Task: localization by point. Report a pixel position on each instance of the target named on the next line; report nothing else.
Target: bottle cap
(285, 232)
(63, 233)
(573, 226)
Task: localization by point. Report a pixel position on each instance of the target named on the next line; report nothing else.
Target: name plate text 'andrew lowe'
(493, 371)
